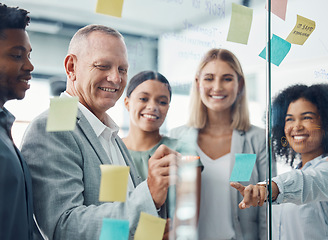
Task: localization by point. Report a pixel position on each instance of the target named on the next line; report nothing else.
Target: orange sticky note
(110, 7)
(190, 158)
(113, 183)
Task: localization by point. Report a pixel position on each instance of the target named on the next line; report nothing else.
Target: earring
(284, 141)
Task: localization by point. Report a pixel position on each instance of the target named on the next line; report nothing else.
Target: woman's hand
(254, 195)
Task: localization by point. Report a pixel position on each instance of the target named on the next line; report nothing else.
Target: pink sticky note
(278, 7)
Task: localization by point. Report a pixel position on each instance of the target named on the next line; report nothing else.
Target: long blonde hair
(239, 110)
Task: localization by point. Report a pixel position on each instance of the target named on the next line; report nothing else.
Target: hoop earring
(284, 141)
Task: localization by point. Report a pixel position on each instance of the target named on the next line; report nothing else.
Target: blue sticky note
(279, 50)
(117, 229)
(243, 167)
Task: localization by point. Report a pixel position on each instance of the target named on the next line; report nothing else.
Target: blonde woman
(219, 119)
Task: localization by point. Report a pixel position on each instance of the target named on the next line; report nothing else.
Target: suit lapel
(237, 146)
(92, 138)
(136, 179)
(28, 190)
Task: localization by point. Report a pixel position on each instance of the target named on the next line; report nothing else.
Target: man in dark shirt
(16, 207)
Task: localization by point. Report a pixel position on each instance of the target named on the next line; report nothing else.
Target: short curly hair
(12, 18)
(317, 94)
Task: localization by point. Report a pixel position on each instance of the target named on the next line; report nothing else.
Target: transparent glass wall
(305, 62)
(171, 36)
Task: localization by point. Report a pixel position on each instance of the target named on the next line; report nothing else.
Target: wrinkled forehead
(102, 43)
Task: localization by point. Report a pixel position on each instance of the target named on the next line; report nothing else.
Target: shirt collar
(6, 120)
(99, 127)
(315, 161)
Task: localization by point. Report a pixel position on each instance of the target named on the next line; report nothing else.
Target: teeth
(23, 80)
(217, 97)
(149, 116)
(107, 89)
(299, 137)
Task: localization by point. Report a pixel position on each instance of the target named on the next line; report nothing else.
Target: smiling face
(148, 105)
(15, 64)
(100, 72)
(303, 129)
(218, 85)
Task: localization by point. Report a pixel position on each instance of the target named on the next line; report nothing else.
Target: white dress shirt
(307, 187)
(106, 133)
(215, 218)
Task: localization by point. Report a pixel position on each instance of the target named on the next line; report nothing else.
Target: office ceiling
(139, 17)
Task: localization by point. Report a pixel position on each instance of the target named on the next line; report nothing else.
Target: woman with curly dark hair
(299, 130)
(317, 95)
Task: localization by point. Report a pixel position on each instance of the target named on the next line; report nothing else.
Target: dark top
(16, 207)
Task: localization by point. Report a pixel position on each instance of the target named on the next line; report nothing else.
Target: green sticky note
(113, 183)
(62, 114)
(110, 7)
(240, 24)
(114, 229)
(150, 227)
(279, 50)
(242, 170)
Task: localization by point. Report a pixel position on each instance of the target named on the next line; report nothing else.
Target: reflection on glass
(186, 222)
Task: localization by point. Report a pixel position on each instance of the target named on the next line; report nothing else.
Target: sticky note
(62, 114)
(113, 183)
(117, 229)
(240, 24)
(302, 30)
(110, 7)
(278, 7)
(242, 170)
(150, 227)
(279, 50)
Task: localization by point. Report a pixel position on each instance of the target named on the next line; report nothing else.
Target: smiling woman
(148, 100)
(220, 120)
(303, 129)
(300, 115)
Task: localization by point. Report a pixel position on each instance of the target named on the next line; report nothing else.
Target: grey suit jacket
(249, 224)
(66, 178)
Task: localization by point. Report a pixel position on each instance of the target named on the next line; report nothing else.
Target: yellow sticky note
(240, 24)
(110, 7)
(302, 30)
(113, 183)
(150, 227)
(62, 114)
